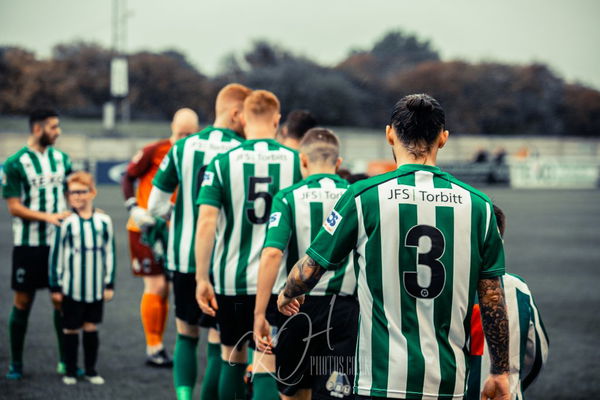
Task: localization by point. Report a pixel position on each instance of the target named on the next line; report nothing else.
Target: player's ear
(276, 119)
(303, 160)
(390, 136)
(338, 163)
(36, 129)
(443, 138)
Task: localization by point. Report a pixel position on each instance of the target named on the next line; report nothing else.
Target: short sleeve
(280, 224)
(211, 192)
(338, 235)
(166, 178)
(68, 164)
(11, 181)
(492, 264)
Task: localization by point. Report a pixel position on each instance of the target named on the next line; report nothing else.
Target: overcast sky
(564, 34)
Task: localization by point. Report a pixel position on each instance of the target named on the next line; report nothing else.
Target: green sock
(231, 381)
(58, 327)
(185, 366)
(210, 383)
(17, 327)
(250, 355)
(264, 387)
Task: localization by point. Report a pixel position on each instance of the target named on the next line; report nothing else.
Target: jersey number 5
(429, 259)
(253, 195)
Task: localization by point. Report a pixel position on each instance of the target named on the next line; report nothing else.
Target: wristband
(130, 203)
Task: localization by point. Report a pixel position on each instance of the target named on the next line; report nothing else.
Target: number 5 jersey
(242, 183)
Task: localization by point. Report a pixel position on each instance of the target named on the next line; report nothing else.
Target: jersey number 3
(253, 195)
(429, 259)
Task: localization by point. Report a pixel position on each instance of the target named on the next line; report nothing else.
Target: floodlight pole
(119, 76)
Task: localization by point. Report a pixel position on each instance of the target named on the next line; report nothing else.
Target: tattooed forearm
(495, 322)
(303, 277)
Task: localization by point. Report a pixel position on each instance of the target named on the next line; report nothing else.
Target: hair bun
(419, 103)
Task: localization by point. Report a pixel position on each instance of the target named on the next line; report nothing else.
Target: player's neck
(222, 123)
(86, 211)
(254, 132)
(33, 144)
(403, 156)
(320, 170)
(291, 142)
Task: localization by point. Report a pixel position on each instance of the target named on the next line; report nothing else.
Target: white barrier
(554, 172)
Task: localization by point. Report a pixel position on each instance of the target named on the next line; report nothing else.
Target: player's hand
(205, 296)
(57, 218)
(57, 297)
(108, 294)
(262, 334)
(142, 218)
(496, 387)
(287, 306)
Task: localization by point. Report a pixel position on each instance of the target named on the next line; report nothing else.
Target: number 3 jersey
(422, 241)
(242, 183)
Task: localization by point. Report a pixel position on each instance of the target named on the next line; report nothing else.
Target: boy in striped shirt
(82, 274)
(425, 243)
(297, 214)
(528, 346)
(33, 186)
(235, 204)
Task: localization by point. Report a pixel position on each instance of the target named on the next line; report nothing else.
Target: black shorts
(186, 306)
(236, 319)
(75, 313)
(305, 362)
(274, 317)
(29, 268)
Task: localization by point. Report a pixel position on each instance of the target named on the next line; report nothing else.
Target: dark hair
(357, 177)
(418, 120)
(320, 145)
(40, 115)
(500, 219)
(298, 122)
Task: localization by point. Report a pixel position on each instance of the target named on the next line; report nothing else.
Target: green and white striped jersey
(82, 259)
(528, 346)
(38, 180)
(422, 241)
(297, 215)
(184, 166)
(242, 184)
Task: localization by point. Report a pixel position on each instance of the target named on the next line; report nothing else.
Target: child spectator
(82, 274)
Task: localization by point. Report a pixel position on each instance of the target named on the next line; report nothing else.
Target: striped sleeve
(338, 235)
(280, 224)
(493, 249)
(11, 183)
(57, 259)
(211, 192)
(109, 254)
(537, 347)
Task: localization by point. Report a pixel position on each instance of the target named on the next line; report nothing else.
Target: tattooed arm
(302, 278)
(495, 327)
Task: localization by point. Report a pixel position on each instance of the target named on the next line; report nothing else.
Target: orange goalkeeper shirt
(143, 167)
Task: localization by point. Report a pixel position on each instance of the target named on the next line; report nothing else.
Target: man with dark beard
(33, 186)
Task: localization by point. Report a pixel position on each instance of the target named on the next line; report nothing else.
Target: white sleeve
(537, 347)
(159, 203)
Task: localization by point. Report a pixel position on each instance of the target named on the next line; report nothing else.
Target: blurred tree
(581, 111)
(330, 95)
(489, 97)
(162, 83)
(394, 52)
